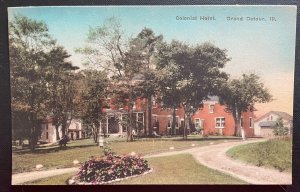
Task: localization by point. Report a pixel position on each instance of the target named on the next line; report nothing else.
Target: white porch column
(101, 129)
(106, 124)
(120, 125)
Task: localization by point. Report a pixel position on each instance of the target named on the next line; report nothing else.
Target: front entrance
(113, 125)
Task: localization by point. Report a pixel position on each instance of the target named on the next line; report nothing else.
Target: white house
(263, 126)
(48, 131)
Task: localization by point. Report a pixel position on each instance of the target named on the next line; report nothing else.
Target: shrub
(111, 167)
(279, 129)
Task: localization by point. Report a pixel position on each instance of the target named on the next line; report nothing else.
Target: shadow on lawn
(51, 149)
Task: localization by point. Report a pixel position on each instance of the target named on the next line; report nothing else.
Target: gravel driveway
(214, 157)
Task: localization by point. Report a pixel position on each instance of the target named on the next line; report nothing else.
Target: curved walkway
(20, 178)
(215, 157)
(212, 156)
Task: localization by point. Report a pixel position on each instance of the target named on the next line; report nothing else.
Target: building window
(211, 108)
(153, 101)
(197, 123)
(220, 122)
(47, 135)
(250, 122)
(108, 102)
(140, 120)
(169, 121)
(181, 122)
(124, 122)
(155, 121)
(134, 105)
(242, 119)
(177, 122)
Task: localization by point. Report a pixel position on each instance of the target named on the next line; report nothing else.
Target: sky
(262, 46)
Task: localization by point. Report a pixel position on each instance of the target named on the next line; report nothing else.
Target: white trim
(220, 122)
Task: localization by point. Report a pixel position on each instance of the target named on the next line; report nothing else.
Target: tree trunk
(33, 133)
(186, 123)
(235, 125)
(239, 131)
(129, 128)
(57, 132)
(149, 116)
(95, 128)
(174, 120)
(63, 127)
(34, 137)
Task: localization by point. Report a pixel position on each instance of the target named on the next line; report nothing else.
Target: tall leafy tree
(240, 95)
(93, 99)
(125, 61)
(63, 89)
(29, 44)
(142, 54)
(192, 74)
(105, 48)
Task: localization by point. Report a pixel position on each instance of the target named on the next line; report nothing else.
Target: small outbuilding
(264, 125)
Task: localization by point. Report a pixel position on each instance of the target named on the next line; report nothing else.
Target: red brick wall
(209, 118)
(162, 116)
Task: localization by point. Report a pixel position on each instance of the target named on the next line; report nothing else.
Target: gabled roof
(267, 124)
(281, 114)
(212, 98)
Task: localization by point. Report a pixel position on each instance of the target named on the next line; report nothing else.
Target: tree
(240, 95)
(141, 54)
(93, 94)
(189, 75)
(62, 88)
(29, 44)
(124, 60)
(105, 48)
(280, 129)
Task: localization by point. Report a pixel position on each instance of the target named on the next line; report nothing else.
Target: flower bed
(111, 167)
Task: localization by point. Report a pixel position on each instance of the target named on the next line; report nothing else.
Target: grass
(55, 157)
(274, 153)
(166, 171)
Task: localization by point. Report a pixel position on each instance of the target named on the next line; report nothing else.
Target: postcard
(152, 94)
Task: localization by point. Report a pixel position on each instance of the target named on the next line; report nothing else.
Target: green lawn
(176, 169)
(275, 153)
(55, 157)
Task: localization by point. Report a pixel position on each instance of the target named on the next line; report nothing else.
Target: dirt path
(215, 157)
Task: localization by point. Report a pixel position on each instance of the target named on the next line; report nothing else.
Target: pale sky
(264, 47)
